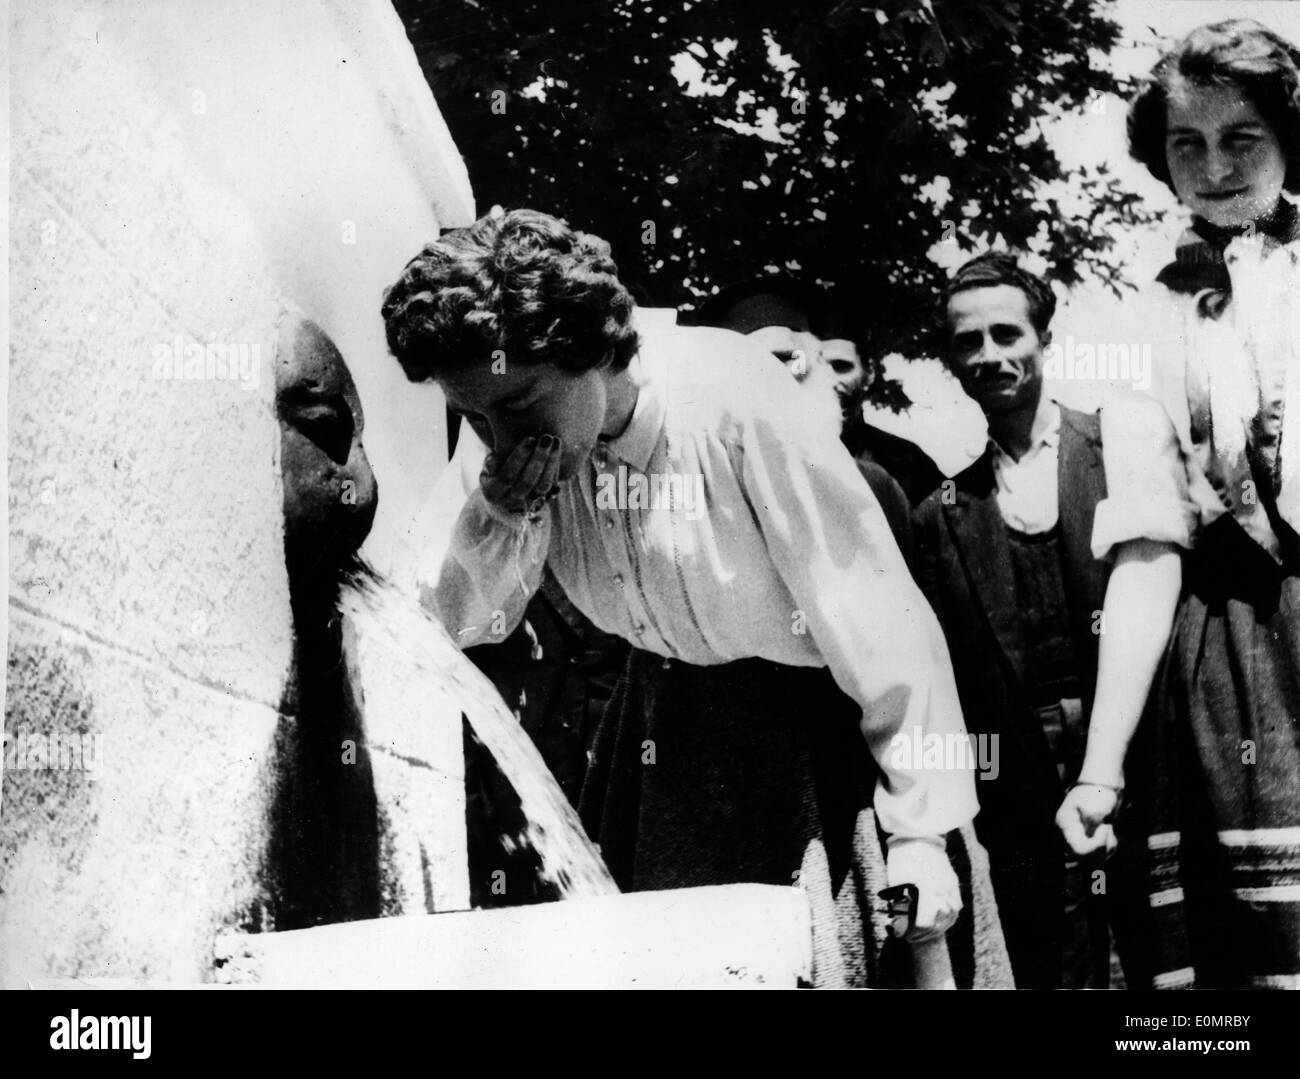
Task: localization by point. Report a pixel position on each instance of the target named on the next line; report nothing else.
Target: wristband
(934, 840)
(1106, 786)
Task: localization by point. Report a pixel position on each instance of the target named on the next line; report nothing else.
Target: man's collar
(1046, 430)
(1047, 424)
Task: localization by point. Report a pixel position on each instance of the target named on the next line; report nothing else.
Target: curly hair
(1240, 53)
(522, 284)
(1001, 268)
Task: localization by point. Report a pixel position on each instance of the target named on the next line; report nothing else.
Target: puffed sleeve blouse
(1224, 335)
(726, 522)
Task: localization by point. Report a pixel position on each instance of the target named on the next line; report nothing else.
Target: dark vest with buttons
(968, 570)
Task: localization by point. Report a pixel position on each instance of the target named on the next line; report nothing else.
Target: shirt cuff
(1162, 520)
(513, 520)
(940, 800)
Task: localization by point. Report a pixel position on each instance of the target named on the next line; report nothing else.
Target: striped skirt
(1224, 780)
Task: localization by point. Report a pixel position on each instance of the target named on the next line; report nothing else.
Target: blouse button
(609, 522)
(639, 629)
(618, 579)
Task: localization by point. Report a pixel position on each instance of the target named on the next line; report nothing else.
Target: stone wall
(177, 171)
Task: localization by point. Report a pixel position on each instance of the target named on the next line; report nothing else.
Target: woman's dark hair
(1001, 268)
(522, 286)
(1240, 53)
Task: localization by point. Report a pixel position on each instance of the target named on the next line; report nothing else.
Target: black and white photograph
(653, 495)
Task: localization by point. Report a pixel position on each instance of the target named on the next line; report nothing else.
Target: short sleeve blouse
(1226, 368)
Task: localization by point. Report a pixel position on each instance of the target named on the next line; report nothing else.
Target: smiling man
(1004, 555)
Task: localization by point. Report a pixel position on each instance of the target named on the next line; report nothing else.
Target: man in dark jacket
(1004, 555)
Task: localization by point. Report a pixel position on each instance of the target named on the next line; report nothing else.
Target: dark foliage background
(880, 100)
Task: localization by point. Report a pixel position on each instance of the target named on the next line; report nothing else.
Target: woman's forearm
(1141, 598)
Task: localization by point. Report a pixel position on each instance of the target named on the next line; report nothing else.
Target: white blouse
(724, 523)
(1222, 381)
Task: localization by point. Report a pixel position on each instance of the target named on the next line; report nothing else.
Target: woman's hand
(924, 862)
(1084, 817)
(524, 481)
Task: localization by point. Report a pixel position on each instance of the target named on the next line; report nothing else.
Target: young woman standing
(1218, 120)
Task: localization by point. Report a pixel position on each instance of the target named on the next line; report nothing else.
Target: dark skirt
(1224, 782)
(757, 772)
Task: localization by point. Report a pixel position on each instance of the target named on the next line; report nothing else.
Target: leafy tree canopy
(709, 140)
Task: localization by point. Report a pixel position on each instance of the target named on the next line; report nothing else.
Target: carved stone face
(330, 493)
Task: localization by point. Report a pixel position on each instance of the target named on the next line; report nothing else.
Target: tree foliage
(839, 140)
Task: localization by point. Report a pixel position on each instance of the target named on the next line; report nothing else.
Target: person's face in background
(1226, 163)
(994, 350)
(330, 493)
(503, 407)
(848, 374)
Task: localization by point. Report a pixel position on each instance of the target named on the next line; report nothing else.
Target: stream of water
(386, 614)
